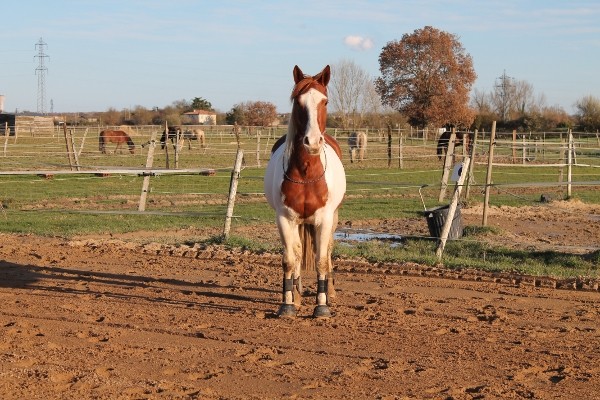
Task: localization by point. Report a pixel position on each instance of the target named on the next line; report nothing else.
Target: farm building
(26, 124)
(199, 117)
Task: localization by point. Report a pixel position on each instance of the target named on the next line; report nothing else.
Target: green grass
(478, 255)
(72, 205)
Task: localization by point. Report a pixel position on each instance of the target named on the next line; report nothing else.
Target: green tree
(198, 103)
(427, 76)
(237, 114)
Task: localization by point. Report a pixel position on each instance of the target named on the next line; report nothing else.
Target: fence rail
(36, 173)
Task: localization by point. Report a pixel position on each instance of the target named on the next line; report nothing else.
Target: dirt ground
(127, 318)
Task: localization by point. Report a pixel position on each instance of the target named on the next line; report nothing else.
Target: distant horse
(188, 134)
(118, 137)
(444, 141)
(357, 141)
(305, 183)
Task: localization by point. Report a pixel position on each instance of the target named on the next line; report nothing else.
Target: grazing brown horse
(444, 140)
(118, 137)
(305, 183)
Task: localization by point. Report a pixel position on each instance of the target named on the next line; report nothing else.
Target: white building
(199, 117)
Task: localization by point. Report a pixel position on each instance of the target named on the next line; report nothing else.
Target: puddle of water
(346, 236)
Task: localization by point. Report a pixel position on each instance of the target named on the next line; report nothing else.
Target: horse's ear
(298, 74)
(323, 76)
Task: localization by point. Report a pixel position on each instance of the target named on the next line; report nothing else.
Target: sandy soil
(120, 318)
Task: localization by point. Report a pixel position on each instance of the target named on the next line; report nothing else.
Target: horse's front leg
(324, 246)
(292, 256)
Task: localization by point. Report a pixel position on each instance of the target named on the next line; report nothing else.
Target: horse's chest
(304, 198)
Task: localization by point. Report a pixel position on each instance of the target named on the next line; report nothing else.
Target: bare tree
(588, 113)
(427, 75)
(481, 102)
(350, 93)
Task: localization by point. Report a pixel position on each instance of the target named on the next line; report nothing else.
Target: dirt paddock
(113, 318)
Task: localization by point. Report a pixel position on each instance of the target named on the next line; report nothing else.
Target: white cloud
(358, 42)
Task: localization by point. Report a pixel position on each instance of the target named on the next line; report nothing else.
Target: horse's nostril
(306, 141)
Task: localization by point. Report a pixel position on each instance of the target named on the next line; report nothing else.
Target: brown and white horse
(118, 137)
(357, 141)
(305, 183)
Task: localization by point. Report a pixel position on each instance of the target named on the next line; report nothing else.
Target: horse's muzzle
(313, 147)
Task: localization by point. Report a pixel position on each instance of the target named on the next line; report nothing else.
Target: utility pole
(40, 71)
(504, 89)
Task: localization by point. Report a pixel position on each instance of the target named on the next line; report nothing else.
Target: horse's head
(309, 110)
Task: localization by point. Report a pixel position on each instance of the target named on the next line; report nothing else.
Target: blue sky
(122, 54)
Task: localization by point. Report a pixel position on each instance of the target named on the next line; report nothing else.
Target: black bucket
(436, 217)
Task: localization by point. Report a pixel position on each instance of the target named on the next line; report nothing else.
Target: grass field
(47, 201)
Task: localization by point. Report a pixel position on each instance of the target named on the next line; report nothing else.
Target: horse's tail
(308, 235)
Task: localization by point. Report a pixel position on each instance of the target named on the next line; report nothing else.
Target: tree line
(426, 81)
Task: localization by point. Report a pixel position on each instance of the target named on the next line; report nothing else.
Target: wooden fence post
(452, 209)
(400, 150)
(514, 146)
(570, 164)
(488, 179)
(258, 133)
(389, 145)
(471, 165)
(146, 182)
(447, 165)
(166, 145)
(69, 146)
(75, 154)
(82, 143)
(524, 155)
(235, 175)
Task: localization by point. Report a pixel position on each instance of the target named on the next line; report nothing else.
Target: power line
(41, 73)
(506, 82)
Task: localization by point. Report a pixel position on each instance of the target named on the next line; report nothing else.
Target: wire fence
(37, 172)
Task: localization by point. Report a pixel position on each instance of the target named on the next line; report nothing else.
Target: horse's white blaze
(311, 100)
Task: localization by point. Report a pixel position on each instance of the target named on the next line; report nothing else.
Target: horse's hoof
(286, 311)
(321, 311)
